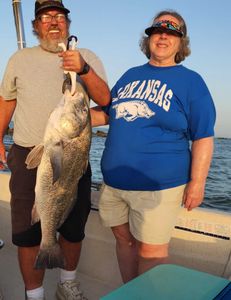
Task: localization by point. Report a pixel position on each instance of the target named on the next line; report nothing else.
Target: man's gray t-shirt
(34, 78)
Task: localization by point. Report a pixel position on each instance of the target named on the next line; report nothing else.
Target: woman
(148, 166)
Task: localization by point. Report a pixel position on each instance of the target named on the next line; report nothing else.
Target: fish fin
(34, 215)
(56, 159)
(34, 157)
(49, 258)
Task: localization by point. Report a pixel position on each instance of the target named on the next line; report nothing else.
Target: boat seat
(173, 282)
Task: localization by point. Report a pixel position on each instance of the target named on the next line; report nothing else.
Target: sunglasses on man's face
(46, 18)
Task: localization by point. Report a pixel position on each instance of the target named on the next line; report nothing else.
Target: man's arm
(6, 112)
(202, 151)
(97, 88)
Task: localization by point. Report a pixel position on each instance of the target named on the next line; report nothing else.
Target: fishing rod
(18, 19)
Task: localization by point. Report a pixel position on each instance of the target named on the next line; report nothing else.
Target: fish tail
(50, 258)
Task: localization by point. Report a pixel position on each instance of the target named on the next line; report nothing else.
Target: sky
(112, 29)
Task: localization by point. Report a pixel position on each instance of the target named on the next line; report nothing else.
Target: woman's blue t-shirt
(154, 113)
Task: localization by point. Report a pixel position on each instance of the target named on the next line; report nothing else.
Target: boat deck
(11, 283)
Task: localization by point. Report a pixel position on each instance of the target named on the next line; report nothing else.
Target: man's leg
(71, 252)
(70, 239)
(32, 278)
(69, 287)
(72, 232)
(24, 236)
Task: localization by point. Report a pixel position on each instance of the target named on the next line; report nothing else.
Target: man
(31, 88)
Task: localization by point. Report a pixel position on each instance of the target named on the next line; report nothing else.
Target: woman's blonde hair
(184, 45)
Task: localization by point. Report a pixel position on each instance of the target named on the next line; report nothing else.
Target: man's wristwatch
(85, 70)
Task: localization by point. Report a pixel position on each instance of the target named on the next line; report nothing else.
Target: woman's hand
(193, 194)
(202, 150)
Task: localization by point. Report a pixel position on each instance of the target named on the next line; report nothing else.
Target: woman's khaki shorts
(151, 214)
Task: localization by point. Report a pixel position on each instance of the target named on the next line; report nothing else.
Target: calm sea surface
(218, 187)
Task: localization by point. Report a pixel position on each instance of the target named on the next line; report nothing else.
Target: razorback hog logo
(132, 110)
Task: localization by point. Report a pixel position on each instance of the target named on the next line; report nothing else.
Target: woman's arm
(202, 151)
(98, 116)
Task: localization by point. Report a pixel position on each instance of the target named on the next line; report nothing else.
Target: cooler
(172, 282)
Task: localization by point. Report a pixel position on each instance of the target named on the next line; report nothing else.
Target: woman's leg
(126, 250)
(151, 256)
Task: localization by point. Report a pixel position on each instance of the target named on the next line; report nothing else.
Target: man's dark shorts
(22, 184)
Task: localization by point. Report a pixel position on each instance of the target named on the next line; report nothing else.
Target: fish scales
(64, 159)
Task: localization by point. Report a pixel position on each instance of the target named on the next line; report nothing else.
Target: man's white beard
(52, 45)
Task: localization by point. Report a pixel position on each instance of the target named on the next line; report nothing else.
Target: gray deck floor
(11, 282)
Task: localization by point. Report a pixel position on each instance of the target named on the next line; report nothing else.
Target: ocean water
(218, 185)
